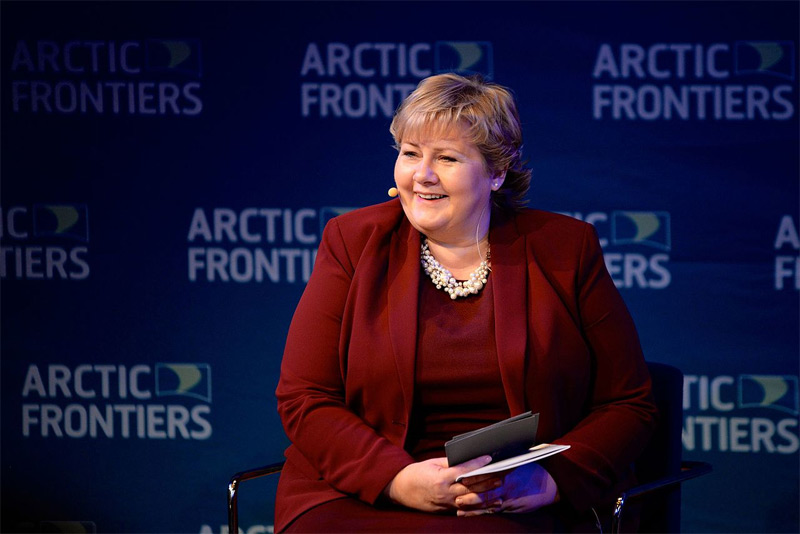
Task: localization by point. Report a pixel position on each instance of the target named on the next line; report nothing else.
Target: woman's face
(444, 185)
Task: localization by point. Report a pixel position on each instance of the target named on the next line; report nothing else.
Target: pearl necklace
(444, 279)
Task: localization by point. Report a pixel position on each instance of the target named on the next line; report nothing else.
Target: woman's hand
(430, 485)
(524, 489)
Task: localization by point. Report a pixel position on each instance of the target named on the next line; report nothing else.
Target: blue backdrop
(167, 169)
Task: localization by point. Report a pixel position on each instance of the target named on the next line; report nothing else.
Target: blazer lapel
(403, 302)
(510, 308)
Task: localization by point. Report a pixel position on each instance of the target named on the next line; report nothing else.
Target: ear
(497, 181)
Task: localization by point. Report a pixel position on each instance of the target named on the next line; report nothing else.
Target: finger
(486, 484)
(468, 513)
(473, 501)
(469, 481)
(471, 465)
(495, 506)
(469, 501)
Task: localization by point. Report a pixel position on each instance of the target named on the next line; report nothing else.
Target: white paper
(536, 453)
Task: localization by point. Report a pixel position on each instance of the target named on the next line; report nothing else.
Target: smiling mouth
(430, 197)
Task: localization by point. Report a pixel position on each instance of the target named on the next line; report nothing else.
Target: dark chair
(660, 467)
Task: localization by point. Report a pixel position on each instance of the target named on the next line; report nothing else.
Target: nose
(424, 174)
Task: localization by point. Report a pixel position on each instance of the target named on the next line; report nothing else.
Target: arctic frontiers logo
(360, 80)
(745, 80)
(91, 400)
(44, 241)
(764, 57)
(170, 55)
(464, 57)
(184, 379)
(651, 228)
(61, 220)
(769, 391)
(147, 77)
(627, 238)
(730, 413)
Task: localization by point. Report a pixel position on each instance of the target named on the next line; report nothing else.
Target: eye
(448, 159)
(408, 153)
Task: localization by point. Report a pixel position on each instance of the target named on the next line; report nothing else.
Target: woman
(387, 358)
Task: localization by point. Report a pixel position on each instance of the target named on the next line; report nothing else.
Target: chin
(428, 223)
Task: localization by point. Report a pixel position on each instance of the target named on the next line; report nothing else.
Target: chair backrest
(661, 511)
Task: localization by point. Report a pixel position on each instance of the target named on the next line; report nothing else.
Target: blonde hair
(490, 114)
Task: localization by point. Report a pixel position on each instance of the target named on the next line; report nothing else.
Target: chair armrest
(688, 471)
(233, 491)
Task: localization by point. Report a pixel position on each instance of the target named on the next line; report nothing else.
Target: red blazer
(566, 346)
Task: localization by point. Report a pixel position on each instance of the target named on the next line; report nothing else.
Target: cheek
(471, 184)
(401, 174)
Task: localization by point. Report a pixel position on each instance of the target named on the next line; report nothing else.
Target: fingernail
(458, 501)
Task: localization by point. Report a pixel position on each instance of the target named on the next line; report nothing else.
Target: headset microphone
(392, 192)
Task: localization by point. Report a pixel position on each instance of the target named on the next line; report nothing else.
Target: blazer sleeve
(347, 453)
(621, 413)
